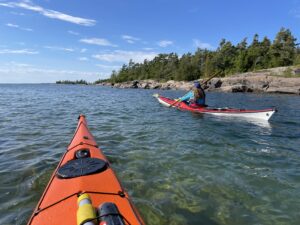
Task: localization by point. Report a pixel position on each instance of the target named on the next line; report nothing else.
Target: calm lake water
(179, 168)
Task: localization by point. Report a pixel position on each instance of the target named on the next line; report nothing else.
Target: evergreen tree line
(226, 59)
(72, 82)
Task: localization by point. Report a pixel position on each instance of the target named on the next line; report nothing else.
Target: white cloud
(125, 56)
(295, 12)
(12, 25)
(27, 29)
(83, 50)
(6, 5)
(16, 64)
(18, 27)
(164, 43)
(73, 32)
(148, 49)
(60, 48)
(18, 51)
(108, 67)
(83, 59)
(24, 73)
(202, 45)
(50, 13)
(97, 41)
(130, 39)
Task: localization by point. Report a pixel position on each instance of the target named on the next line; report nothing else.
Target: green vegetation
(101, 81)
(226, 59)
(72, 82)
(288, 72)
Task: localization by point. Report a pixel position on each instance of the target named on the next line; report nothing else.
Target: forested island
(72, 82)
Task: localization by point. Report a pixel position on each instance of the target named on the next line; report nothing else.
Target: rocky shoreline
(266, 81)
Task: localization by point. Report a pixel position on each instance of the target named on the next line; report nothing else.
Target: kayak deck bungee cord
(83, 189)
(263, 114)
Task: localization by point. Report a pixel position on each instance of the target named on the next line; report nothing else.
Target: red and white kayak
(263, 114)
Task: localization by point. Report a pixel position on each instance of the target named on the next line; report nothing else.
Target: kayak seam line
(69, 196)
(82, 143)
(77, 128)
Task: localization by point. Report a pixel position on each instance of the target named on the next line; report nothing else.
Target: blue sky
(42, 41)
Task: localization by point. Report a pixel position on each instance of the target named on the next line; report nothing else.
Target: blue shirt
(189, 96)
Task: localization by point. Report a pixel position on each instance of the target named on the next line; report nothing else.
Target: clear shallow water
(179, 168)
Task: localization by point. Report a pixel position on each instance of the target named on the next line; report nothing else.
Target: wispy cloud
(97, 41)
(202, 45)
(130, 39)
(60, 48)
(18, 27)
(16, 64)
(148, 49)
(108, 67)
(18, 51)
(12, 25)
(49, 13)
(73, 32)
(83, 59)
(125, 56)
(83, 50)
(26, 68)
(164, 43)
(22, 71)
(295, 12)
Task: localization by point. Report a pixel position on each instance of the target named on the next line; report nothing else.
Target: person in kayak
(195, 97)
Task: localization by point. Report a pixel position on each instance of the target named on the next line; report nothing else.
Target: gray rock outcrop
(265, 81)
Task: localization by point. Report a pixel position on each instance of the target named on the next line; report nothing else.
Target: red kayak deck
(58, 204)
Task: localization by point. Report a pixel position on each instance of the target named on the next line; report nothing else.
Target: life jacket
(199, 95)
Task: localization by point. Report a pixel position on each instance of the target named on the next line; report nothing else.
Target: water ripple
(179, 167)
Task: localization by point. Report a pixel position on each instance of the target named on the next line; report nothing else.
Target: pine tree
(283, 48)
(241, 62)
(225, 56)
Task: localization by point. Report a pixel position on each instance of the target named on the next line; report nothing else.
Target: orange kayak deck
(58, 204)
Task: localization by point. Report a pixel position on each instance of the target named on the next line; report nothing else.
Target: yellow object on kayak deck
(86, 211)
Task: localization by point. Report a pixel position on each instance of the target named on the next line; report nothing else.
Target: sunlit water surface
(179, 168)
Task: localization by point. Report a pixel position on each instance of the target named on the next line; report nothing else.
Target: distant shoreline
(264, 81)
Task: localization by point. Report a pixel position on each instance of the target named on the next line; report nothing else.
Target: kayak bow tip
(81, 115)
(156, 95)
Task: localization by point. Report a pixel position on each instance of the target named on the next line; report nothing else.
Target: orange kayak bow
(84, 189)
